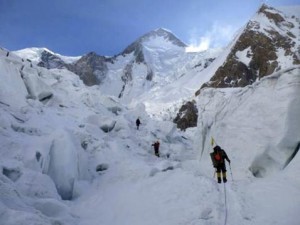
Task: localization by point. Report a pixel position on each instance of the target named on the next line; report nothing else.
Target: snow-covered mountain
(154, 60)
(268, 43)
(71, 153)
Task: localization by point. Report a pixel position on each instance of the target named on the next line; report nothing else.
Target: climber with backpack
(218, 158)
(156, 148)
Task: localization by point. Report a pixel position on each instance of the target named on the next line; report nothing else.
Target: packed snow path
(143, 194)
(139, 188)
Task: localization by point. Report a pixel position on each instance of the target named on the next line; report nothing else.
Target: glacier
(71, 154)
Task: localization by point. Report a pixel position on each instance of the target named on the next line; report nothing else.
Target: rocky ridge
(256, 52)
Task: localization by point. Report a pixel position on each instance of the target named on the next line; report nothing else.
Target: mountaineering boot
(219, 177)
(224, 177)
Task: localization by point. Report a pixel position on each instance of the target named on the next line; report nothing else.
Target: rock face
(259, 49)
(187, 116)
(91, 68)
(51, 61)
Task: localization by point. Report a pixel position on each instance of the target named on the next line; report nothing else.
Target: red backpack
(218, 157)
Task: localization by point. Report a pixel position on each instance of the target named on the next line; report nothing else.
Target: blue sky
(74, 27)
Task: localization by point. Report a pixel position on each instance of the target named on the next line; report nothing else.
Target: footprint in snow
(206, 214)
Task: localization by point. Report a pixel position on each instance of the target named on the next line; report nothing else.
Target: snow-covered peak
(157, 37)
(167, 35)
(35, 55)
(268, 18)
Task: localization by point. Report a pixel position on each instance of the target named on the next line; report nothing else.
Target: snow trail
(143, 189)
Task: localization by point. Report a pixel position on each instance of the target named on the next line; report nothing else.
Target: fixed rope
(225, 204)
(213, 142)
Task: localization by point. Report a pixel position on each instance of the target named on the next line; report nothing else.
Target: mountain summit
(162, 34)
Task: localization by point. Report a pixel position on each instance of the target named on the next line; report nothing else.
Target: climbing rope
(225, 204)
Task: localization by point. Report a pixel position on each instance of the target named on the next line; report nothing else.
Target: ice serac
(37, 89)
(268, 43)
(22, 82)
(63, 163)
(13, 91)
(282, 151)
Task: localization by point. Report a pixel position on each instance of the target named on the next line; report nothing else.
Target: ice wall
(258, 126)
(12, 88)
(36, 88)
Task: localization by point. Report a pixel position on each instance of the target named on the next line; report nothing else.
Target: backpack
(216, 158)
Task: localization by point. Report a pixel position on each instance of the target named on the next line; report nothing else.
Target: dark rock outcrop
(51, 61)
(126, 77)
(187, 116)
(91, 68)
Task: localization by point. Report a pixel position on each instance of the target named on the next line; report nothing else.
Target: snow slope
(166, 62)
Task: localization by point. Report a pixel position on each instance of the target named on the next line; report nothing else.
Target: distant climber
(137, 122)
(156, 148)
(218, 158)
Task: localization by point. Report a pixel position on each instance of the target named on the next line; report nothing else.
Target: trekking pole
(230, 171)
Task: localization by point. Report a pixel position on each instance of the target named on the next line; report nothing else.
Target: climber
(218, 158)
(156, 148)
(137, 122)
